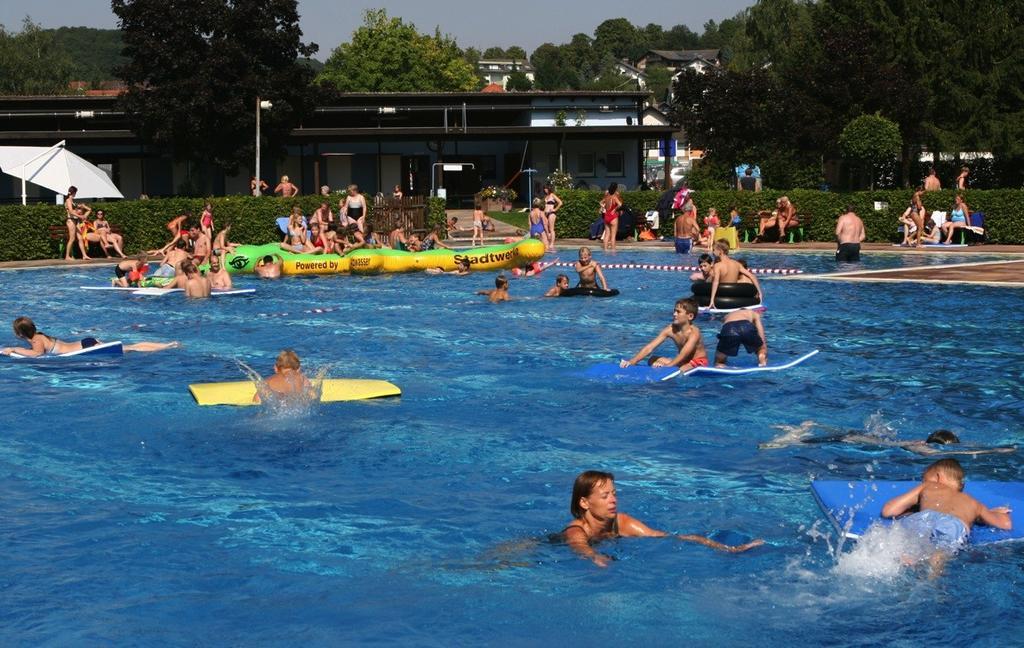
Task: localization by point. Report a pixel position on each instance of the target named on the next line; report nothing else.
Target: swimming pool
(132, 516)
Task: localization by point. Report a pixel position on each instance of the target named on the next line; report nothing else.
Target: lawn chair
(974, 234)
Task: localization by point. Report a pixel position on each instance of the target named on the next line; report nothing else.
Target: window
(585, 165)
(614, 164)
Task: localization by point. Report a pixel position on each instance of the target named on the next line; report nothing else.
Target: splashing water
(882, 552)
(276, 405)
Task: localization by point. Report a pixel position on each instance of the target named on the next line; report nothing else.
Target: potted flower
(496, 198)
(560, 180)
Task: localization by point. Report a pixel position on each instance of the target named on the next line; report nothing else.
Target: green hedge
(143, 222)
(26, 233)
(1003, 208)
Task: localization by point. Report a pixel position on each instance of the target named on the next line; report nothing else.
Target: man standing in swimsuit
(932, 183)
(849, 234)
(201, 245)
(685, 231)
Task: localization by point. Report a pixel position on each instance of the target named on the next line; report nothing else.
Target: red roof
(493, 87)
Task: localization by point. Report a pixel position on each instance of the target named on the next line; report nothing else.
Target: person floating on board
(683, 333)
(944, 514)
(938, 442)
(561, 283)
(461, 268)
(130, 271)
(288, 379)
(594, 508)
(589, 271)
(41, 344)
(500, 292)
(742, 327)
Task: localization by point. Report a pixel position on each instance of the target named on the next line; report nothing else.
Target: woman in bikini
(594, 508)
(552, 203)
(72, 221)
(102, 227)
(297, 240)
(41, 344)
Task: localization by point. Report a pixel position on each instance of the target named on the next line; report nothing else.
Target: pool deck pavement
(1004, 273)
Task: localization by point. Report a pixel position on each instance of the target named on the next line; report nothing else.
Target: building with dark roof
(375, 140)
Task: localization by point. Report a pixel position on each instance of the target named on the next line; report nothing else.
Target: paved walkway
(1008, 274)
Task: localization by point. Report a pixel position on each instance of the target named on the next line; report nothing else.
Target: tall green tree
(494, 53)
(95, 53)
(195, 70)
(518, 82)
(870, 141)
(32, 63)
(389, 55)
(551, 69)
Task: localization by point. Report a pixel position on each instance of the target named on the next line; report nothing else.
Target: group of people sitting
(82, 231)
(919, 228)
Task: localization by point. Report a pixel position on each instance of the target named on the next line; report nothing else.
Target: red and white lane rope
(680, 268)
(310, 311)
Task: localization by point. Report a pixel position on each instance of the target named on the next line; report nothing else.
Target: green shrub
(143, 222)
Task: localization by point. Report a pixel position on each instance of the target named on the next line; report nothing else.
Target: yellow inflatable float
(375, 261)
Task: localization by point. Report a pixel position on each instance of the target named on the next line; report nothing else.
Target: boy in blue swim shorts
(944, 514)
(742, 328)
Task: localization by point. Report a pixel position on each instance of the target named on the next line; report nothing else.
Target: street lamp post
(529, 188)
(260, 106)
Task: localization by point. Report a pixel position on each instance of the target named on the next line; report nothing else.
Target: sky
(478, 23)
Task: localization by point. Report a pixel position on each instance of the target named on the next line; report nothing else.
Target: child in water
(561, 283)
(683, 333)
(500, 292)
(945, 514)
(594, 508)
(41, 344)
(288, 378)
(589, 270)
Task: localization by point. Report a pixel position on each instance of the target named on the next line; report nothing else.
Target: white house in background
(632, 72)
(677, 60)
(498, 70)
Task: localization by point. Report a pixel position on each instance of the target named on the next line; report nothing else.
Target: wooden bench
(60, 233)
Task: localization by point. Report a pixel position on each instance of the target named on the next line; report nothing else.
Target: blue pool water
(131, 516)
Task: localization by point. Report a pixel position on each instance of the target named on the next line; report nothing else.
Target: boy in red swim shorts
(686, 336)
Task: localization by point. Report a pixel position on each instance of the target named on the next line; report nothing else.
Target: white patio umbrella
(56, 168)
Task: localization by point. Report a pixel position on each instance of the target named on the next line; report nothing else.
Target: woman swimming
(41, 344)
(594, 507)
